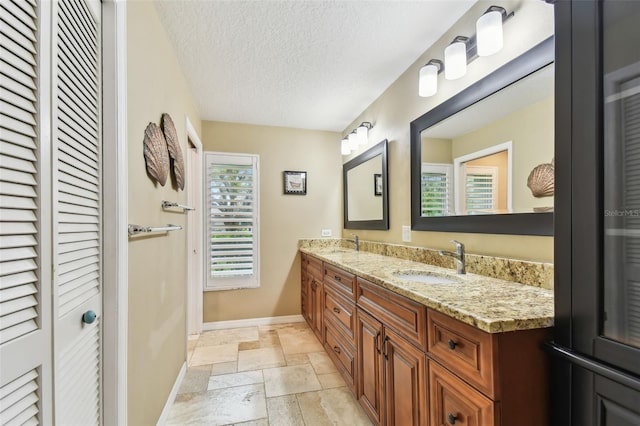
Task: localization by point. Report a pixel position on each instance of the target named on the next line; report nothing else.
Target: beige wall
(400, 104)
(157, 264)
(284, 219)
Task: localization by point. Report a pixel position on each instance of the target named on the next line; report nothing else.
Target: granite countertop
(490, 304)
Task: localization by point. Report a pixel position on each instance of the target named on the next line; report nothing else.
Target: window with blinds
(436, 189)
(233, 221)
(480, 189)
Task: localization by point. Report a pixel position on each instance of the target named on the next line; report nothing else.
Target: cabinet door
(370, 378)
(306, 299)
(405, 381)
(317, 307)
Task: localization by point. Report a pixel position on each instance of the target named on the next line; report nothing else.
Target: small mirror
(482, 161)
(366, 189)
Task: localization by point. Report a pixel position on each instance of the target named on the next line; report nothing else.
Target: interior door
(25, 291)
(77, 195)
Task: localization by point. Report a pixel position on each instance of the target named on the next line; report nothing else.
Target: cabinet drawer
(467, 351)
(404, 315)
(452, 401)
(339, 280)
(341, 352)
(340, 311)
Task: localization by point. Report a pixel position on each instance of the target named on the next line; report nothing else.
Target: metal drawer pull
(377, 342)
(452, 419)
(338, 278)
(452, 346)
(336, 310)
(336, 349)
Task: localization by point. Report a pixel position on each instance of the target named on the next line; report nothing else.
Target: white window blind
(436, 189)
(480, 186)
(233, 221)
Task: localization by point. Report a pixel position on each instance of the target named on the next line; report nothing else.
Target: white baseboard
(172, 396)
(251, 322)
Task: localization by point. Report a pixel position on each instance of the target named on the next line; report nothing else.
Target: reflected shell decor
(155, 153)
(541, 180)
(175, 152)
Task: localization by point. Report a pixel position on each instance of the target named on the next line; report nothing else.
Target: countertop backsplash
(537, 274)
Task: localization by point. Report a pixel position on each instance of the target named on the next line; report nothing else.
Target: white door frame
(194, 231)
(115, 213)
(459, 161)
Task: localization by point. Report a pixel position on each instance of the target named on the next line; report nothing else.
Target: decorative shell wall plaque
(175, 152)
(541, 180)
(155, 153)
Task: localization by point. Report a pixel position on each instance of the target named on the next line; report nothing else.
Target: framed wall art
(295, 182)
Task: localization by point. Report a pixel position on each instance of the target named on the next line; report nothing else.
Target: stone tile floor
(274, 375)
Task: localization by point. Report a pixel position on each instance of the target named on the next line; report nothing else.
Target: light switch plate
(406, 233)
(326, 232)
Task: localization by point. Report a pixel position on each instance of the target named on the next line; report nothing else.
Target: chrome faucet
(458, 256)
(355, 241)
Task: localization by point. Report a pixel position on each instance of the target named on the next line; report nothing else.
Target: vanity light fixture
(363, 133)
(489, 37)
(428, 83)
(455, 58)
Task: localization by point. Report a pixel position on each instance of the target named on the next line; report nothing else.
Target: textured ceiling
(300, 63)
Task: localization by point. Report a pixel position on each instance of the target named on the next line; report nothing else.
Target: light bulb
(489, 33)
(353, 141)
(344, 147)
(428, 83)
(362, 132)
(455, 60)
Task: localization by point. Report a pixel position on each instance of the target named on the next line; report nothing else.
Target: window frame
(447, 171)
(230, 283)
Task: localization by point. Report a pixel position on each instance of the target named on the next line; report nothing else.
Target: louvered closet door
(25, 334)
(77, 213)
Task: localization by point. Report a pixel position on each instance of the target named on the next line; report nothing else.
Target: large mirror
(366, 193)
(483, 160)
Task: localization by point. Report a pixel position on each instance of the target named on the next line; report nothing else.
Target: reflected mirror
(366, 189)
(483, 160)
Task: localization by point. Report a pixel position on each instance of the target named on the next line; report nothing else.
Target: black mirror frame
(529, 62)
(381, 148)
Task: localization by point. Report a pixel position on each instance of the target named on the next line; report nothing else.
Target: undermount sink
(424, 277)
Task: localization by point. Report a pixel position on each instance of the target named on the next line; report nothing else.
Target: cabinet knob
(452, 346)
(336, 349)
(89, 317)
(336, 310)
(338, 278)
(452, 419)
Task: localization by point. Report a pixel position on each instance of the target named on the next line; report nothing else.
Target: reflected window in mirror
(366, 192)
(474, 155)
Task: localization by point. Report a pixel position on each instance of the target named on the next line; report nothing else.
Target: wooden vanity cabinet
(409, 365)
(392, 378)
(469, 368)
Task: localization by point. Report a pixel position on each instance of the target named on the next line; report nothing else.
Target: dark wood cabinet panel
(468, 351)
(369, 389)
(342, 354)
(341, 281)
(404, 315)
(452, 401)
(341, 312)
(405, 374)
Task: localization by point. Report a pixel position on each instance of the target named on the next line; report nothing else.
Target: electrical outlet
(406, 233)
(326, 232)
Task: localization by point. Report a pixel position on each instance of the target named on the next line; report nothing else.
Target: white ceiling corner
(299, 63)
